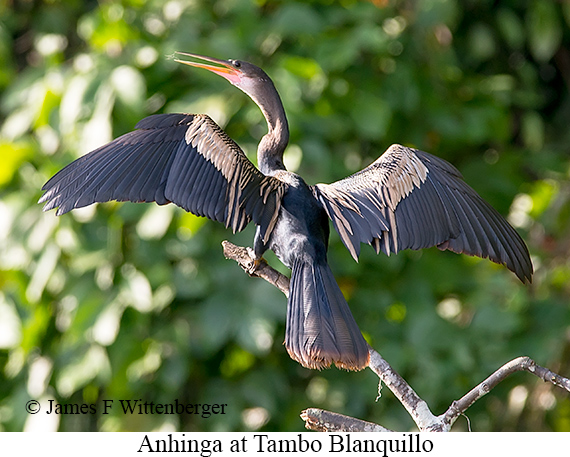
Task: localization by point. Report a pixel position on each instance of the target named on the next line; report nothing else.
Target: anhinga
(406, 199)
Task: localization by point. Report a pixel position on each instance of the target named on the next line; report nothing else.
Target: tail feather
(320, 327)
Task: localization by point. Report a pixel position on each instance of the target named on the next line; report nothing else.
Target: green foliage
(125, 301)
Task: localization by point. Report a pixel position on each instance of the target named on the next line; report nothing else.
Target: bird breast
(302, 227)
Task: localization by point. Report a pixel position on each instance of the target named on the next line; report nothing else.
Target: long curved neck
(272, 145)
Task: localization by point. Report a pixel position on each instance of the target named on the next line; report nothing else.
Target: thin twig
(458, 407)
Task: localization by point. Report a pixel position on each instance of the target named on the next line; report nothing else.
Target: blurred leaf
(542, 194)
(83, 369)
(511, 27)
(303, 67)
(533, 131)
(129, 85)
(10, 324)
(372, 116)
(482, 42)
(13, 155)
(544, 29)
(297, 19)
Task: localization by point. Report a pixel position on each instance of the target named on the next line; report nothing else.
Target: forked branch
(321, 420)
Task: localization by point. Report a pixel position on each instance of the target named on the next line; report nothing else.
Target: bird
(406, 199)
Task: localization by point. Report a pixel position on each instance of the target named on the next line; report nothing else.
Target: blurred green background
(135, 301)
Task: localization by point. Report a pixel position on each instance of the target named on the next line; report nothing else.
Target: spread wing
(409, 199)
(186, 159)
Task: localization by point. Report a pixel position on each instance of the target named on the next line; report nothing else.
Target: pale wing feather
(409, 199)
(185, 159)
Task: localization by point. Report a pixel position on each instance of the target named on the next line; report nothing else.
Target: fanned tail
(320, 327)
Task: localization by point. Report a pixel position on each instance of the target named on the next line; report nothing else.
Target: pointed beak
(223, 68)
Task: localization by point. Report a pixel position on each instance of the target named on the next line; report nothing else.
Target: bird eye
(236, 63)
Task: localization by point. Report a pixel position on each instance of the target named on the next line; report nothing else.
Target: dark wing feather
(409, 199)
(185, 159)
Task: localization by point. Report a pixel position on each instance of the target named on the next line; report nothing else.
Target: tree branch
(416, 407)
(458, 407)
(244, 258)
(321, 420)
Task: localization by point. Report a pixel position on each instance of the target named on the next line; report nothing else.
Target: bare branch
(317, 419)
(458, 407)
(416, 407)
(320, 420)
(245, 259)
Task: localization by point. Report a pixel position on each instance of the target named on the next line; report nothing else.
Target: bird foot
(255, 262)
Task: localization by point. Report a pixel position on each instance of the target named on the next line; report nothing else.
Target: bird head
(244, 75)
(258, 86)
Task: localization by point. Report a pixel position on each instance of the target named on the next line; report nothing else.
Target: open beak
(223, 68)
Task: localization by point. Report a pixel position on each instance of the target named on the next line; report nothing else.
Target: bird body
(320, 326)
(302, 224)
(406, 199)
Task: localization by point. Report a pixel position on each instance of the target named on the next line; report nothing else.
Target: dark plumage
(407, 199)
